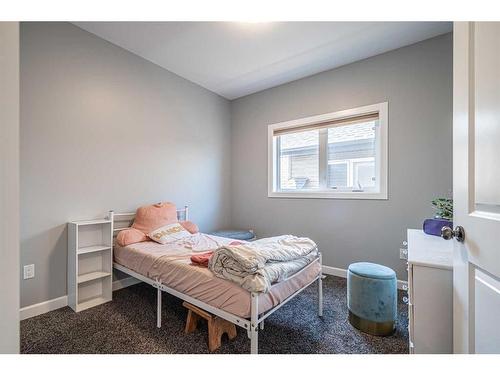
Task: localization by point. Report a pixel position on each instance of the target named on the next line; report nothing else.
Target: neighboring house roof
(335, 135)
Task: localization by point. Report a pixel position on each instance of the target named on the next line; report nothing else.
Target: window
(336, 155)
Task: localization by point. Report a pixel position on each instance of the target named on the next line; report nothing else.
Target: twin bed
(168, 268)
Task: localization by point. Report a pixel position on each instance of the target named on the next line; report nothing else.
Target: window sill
(328, 195)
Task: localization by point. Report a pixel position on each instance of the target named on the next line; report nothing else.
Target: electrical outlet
(403, 253)
(29, 271)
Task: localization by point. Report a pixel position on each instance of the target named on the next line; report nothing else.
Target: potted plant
(443, 217)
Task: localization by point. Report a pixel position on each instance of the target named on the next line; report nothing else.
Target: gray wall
(103, 129)
(9, 187)
(417, 83)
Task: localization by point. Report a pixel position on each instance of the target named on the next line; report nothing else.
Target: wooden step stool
(216, 325)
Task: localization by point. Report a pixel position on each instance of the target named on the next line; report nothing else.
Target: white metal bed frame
(256, 320)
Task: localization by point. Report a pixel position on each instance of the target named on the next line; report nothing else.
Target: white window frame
(381, 155)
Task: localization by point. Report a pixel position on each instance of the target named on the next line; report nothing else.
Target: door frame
(461, 130)
(9, 187)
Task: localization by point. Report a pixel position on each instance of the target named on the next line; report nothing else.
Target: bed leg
(254, 341)
(158, 307)
(320, 296)
(254, 329)
(320, 287)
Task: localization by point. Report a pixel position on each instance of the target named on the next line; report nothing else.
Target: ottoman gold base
(371, 327)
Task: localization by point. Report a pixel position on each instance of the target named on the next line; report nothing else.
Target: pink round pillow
(129, 236)
(189, 226)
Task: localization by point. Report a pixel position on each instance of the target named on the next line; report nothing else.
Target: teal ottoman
(372, 298)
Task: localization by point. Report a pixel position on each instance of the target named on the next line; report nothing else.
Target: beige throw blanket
(256, 265)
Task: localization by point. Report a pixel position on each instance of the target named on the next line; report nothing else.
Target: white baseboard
(43, 307)
(57, 303)
(341, 272)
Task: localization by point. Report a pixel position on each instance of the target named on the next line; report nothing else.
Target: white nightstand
(90, 263)
(430, 292)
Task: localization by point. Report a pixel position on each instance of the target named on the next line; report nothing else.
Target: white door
(476, 187)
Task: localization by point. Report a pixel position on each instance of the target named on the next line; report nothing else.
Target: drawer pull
(406, 300)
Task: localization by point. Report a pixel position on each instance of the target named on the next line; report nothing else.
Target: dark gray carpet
(128, 325)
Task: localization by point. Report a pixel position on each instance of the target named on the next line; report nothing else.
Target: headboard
(124, 220)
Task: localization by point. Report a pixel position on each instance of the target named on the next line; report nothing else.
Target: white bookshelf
(90, 263)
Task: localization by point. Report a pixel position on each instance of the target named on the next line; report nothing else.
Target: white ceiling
(235, 59)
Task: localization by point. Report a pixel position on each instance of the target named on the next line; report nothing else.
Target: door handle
(447, 233)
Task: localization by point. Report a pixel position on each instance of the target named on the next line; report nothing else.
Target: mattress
(171, 265)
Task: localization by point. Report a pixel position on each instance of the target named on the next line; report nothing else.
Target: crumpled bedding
(255, 266)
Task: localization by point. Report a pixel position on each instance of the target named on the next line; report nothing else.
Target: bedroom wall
(101, 129)
(417, 82)
(9, 187)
